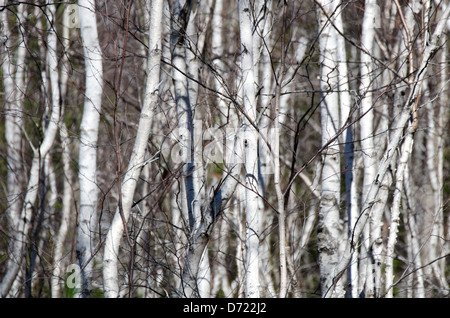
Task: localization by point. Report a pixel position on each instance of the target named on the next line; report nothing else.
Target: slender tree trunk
(217, 48)
(67, 203)
(39, 154)
(66, 209)
(367, 129)
(280, 198)
(349, 157)
(196, 43)
(13, 70)
(250, 152)
(395, 212)
(179, 40)
(137, 159)
(442, 136)
(215, 205)
(13, 81)
(275, 143)
(435, 145)
(401, 123)
(220, 282)
(329, 228)
(416, 260)
(87, 217)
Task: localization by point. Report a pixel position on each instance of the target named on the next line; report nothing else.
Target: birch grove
(224, 149)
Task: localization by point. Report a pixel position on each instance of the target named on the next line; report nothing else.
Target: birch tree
(185, 116)
(347, 139)
(367, 127)
(250, 152)
(87, 217)
(13, 79)
(137, 159)
(329, 232)
(225, 149)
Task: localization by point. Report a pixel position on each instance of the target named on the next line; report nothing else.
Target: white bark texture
(186, 134)
(87, 217)
(395, 212)
(435, 162)
(220, 280)
(14, 89)
(367, 127)
(185, 114)
(217, 47)
(348, 148)
(250, 146)
(329, 227)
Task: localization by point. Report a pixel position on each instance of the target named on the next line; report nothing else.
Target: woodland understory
(244, 148)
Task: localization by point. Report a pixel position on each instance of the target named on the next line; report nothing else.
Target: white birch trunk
(217, 48)
(442, 135)
(329, 227)
(220, 281)
(14, 89)
(266, 161)
(349, 157)
(67, 203)
(240, 249)
(436, 133)
(251, 263)
(196, 43)
(13, 83)
(367, 126)
(395, 211)
(115, 232)
(275, 143)
(185, 114)
(183, 87)
(280, 198)
(65, 217)
(87, 217)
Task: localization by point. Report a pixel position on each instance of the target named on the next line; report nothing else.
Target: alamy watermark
(73, 279)
(218, 145)
(72, 16)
